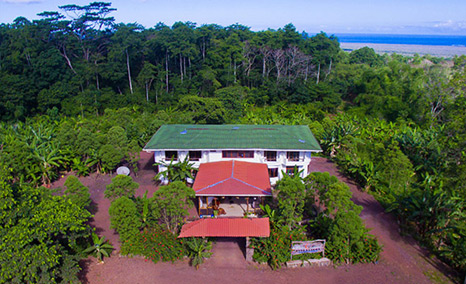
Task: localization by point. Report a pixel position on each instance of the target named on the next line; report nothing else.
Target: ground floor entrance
(228, 253)
(231, 188)
(229, 206)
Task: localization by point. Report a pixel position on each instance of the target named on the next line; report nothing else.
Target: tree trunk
(234, 70)
(307, 71)
(28, 58)
(148, 85)
(166, 70)
(181, 68)
(96, 75)
(189, 66)
(318, 74)
(184, 66)
(129, 72)
(203, 48)
(263, 67)
(68, 61)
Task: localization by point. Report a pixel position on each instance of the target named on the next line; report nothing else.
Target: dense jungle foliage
(84, 94)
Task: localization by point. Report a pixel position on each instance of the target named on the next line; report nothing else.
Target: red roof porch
(232, 178)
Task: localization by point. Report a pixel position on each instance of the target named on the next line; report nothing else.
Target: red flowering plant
(276, 249)
(155, 244)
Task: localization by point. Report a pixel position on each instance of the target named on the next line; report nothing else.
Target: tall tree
(324, 51)
(173, 202)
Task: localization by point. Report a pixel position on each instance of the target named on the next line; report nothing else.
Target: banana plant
(79, 167)
(49, 159)
(199, 249)
(176, 171)
(270, 213)
(99, 248)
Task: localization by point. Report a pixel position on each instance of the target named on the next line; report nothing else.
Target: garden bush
(276, 249)
(339, 222)
(155, 244)
(121, 186)
(124, 218)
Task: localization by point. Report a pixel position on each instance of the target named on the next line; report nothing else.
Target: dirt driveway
(402, 260)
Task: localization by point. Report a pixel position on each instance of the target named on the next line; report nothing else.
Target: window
(292, 156)
(273, 172)
(290, 170)
(270, 155)
(195, 155)
(238, 154)
(171, 154)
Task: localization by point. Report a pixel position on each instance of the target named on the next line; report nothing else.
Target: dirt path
(401, 253)
(402, 260)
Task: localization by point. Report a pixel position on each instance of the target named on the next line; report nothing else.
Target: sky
(439, 17)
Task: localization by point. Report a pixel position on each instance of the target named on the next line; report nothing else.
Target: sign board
(308, 247)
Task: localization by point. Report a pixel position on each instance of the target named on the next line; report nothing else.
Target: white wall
(216, 155)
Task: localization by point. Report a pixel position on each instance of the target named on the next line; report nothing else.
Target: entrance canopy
(232, 178)
(227, 227)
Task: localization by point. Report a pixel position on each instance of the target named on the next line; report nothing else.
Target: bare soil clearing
(402, 260)
(408, 49)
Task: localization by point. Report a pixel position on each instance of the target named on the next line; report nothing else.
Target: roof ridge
(253, 186)
(214, 184)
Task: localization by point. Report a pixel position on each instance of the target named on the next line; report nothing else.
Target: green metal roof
(228, 136)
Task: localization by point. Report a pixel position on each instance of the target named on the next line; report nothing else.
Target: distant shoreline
(408, 49)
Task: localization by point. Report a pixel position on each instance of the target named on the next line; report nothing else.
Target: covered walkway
(227, 227)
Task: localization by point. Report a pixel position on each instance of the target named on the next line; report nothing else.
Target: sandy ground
(402, 260)
(408, 49)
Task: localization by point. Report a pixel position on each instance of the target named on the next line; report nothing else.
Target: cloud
(450, 25)
(446, 27)
(22, 1)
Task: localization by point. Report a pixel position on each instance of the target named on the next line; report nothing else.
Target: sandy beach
(408, 49)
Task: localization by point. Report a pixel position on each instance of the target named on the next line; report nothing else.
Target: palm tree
(100, 248)
(199, 249)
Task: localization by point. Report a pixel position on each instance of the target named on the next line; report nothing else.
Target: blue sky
(331, 16)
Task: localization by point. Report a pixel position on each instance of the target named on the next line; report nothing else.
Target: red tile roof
(232, 178)
(227, 227)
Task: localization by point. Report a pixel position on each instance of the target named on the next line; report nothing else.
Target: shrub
(291, 199)
(121, 186)
(124, 218)
(348, 241)
(155, 244)
(77, 192)
(339, 223)
(275, 250)
(110, 157)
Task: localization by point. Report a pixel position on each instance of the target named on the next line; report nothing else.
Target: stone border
(309, 263)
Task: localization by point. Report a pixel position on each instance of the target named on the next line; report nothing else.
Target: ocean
(445, 40)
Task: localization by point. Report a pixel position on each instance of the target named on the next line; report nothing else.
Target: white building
(281, 147)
